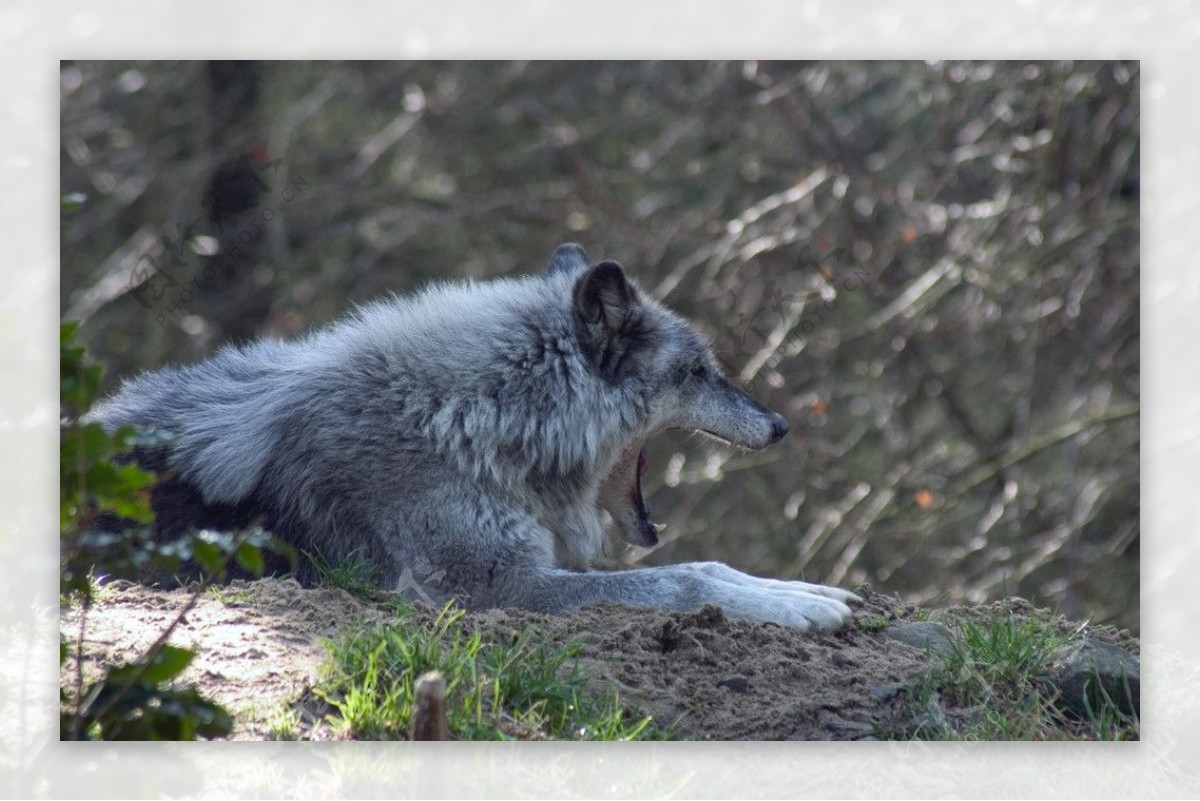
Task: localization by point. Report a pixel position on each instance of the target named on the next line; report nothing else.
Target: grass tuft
(522, 688)
(996, 684)
(355, 574)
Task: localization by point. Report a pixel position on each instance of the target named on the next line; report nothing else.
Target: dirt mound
(703, 675)
(709, 677)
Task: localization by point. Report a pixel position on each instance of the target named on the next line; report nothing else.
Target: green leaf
(79, 381)
(250, 558)
(150, 712)
(168, 663)
(208, 555)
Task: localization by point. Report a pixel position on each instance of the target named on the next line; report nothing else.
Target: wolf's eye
(700, 370)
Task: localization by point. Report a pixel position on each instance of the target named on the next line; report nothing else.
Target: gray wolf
(479, 435)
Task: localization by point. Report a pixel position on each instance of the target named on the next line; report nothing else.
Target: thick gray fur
(461, 439)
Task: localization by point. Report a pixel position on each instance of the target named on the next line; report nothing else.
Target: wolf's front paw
(794, 607)
(820, 607)
(797, 604)
(837, 593)
(823, 613)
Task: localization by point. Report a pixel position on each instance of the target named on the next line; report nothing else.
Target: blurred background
(931, 269)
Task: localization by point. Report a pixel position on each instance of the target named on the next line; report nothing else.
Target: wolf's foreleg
(807, 607)
(726, 573)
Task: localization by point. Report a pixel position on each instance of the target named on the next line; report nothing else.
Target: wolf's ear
(568, 258)
(604, 299)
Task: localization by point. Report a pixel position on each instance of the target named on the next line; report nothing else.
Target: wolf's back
(224, 415)
(461, 369)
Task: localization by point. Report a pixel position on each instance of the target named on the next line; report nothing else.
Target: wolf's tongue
(621, 497)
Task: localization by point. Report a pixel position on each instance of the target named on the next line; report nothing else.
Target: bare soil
(704, 676)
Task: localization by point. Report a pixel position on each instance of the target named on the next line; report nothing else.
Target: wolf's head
(639, 346)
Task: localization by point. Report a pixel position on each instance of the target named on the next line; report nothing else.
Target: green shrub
(139, 700)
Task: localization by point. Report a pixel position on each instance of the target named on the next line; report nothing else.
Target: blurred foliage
(105, 500)
(930, 268)
(86, 471)
(138, 700)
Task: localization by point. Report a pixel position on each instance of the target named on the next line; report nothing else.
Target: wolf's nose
(779, 428)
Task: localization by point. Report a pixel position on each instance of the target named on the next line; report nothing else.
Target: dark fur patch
(179, 507)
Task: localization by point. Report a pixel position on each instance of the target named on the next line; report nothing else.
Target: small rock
(1085, 672)
(737, 684)
(885, 691)
(851, 729)
(926, 635)
(841, 660)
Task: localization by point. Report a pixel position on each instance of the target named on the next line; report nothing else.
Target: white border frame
(33, 37)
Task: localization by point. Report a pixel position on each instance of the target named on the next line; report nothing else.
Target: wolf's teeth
(659, 528)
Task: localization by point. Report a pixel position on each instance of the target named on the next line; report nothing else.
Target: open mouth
(621, 497)
(621, 492)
